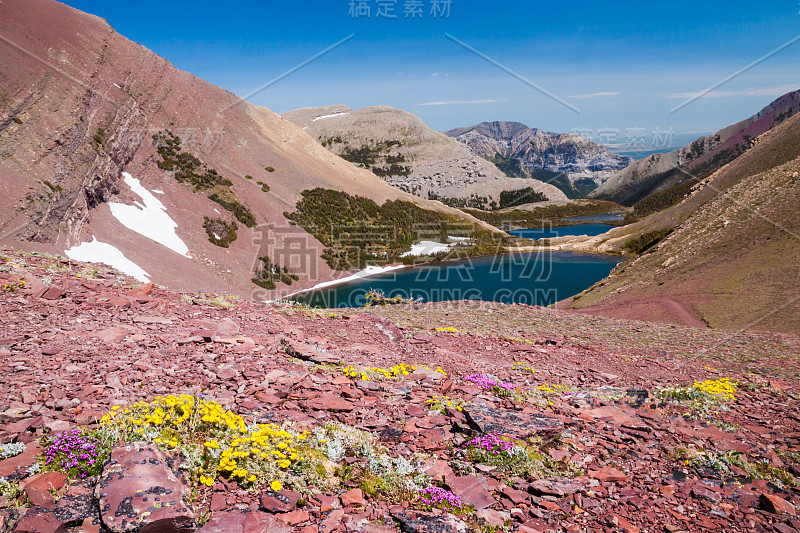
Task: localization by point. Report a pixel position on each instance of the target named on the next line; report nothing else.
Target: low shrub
(220, 232)
(268, 274)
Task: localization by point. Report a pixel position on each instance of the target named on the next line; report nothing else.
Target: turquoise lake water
(590, 229)
(538, 278)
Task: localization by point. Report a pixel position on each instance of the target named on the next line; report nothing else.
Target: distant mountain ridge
(398, 146)
(572, 162)
(659, 172)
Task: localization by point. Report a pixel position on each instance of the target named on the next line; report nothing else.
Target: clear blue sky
(623, 64)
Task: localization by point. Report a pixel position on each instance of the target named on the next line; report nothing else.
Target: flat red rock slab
(420, 522)
(37, 488)
(471, 489)
(15, 467)
(330, 402)
(522, 425)
(39, 520)
(137, 491)
(244, 522)
(556, 486)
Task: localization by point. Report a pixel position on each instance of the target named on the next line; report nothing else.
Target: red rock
(38, 488)
(421, 522)
(492, 420)
(439, 470)
(138, 490)
(53, 292)
(227, 374)
(608, 474)
(89, 526)
(39, 520)
(492, 517)
(309, 353)
(556, 486)
(622, 524)
(12, 467)
(279, 502)
(352, 498)
(329, 402)
(142, 291)
(244, 522)
(330, 519)
(76, 505)
(516, 496)
(547, 504)
(777, 505)
(608, 413)
(112, 335)
(294, 518)
(471, 490)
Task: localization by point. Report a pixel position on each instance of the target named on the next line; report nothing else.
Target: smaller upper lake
(608, 217)
(590, 229)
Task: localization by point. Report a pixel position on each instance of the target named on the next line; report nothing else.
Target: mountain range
(658, 173)
(401, 149)
(571, 162)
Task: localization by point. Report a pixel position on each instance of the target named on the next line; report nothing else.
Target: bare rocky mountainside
(571, 162)
(126, 408)
(726, 255)
(401, 149)
(658, 173)
(79, 162)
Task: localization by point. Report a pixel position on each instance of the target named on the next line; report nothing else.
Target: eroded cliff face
(573, 155)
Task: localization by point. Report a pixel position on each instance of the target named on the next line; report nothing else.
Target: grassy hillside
(729, 253)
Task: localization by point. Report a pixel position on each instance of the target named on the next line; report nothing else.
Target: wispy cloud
(775, 90)
(594, 95)
(466, 102)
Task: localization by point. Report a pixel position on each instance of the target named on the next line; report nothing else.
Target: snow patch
(428, 248)
(328, 116)
(150, 219)
(361, 274)
(157, 191)
(95, 251)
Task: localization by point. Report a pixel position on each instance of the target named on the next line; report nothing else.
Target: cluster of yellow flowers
(523, 366)
(374, 373)
(14, 286)
(441, 403)
(227, 445)
(553, 389)
(245, 455)
(724, 388)
(522, 341)
(447, 330)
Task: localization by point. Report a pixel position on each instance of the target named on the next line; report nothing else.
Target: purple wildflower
(70, 450)
(435, 496)
(482, 380)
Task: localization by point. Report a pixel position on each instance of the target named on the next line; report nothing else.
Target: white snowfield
(95, 251)
(367, 272)
(428, 248)
(328, 116)
(150, 219)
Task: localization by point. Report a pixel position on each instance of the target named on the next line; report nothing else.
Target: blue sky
(624, 65)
